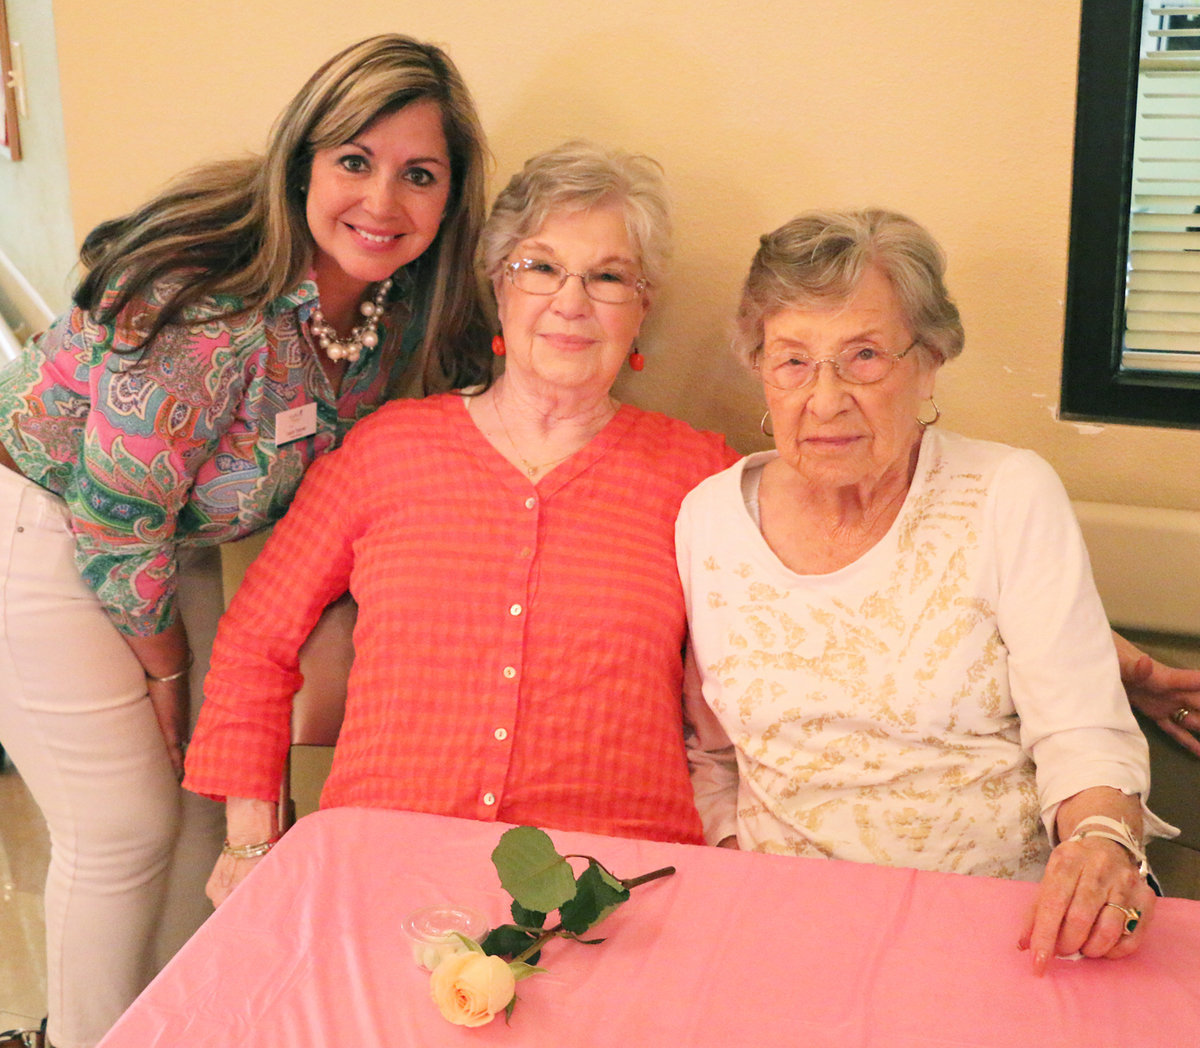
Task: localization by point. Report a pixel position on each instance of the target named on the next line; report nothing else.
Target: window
(1132, 341)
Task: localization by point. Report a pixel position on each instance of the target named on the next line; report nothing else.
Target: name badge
(295, 423)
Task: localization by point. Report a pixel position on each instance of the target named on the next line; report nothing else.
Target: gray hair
(576, 176)
(819, 257)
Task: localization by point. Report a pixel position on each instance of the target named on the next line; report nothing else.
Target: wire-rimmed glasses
(613, 284)
(858, 365)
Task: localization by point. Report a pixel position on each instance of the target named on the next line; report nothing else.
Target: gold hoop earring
(762, 425)
(923, 423)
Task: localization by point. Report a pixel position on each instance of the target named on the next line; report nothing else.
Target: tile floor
(24, 855)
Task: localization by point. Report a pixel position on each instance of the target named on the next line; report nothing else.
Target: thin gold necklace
(531, 470)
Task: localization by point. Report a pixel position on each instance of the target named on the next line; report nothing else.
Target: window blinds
(1162, 303)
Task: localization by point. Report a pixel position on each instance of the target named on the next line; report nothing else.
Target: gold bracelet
(248, 851)
(173, 676)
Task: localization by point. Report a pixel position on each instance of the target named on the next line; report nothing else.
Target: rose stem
(654, 875)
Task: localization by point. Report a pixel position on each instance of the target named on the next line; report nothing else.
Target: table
(735, 949)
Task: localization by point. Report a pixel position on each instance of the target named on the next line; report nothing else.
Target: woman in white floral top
(896, 627)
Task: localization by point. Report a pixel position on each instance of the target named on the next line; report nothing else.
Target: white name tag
(295, 423)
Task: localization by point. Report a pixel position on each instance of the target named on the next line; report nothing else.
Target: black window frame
(1094, 386)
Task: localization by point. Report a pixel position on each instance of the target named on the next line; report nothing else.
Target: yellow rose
(470, 988)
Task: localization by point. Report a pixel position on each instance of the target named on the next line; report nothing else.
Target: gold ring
(1180, 715)
(1132, 916)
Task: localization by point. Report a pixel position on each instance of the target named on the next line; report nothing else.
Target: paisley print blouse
(175, 445)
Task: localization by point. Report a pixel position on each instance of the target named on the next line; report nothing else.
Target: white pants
(130, 851)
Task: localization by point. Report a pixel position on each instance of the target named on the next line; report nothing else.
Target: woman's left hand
(1080, 904)
(166, 659)
(172, 703)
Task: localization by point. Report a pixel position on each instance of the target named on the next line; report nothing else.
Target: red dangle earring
(636, 360)
(498, 346)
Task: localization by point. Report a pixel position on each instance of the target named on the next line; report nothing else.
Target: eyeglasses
(612, 284)
(858, 365)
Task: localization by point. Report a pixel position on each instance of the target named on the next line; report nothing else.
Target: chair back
(317, 709)
(325, 661)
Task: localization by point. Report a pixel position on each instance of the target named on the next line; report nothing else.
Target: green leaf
(521, 970)
(531, 871)
(506, 941)
(527, 918)
(613, 882)
(471, 944)
(597, 894)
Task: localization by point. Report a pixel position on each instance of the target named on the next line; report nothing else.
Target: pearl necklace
(364, 336)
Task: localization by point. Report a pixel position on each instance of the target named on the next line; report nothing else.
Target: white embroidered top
(930, 704)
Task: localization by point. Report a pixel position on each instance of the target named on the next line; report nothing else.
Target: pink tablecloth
(733, 950)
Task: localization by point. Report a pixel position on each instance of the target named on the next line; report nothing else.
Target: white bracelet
(1114, 830)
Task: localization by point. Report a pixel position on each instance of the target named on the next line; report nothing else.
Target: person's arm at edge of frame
(1167, 695)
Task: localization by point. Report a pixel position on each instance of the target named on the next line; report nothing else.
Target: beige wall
(35, 202)
(958, 112)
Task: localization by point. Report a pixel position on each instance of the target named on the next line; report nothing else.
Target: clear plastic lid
(436, 924)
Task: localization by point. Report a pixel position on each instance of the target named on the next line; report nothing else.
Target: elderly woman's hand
(1092, 885)
(1080, 906)
(227, 875)
(1168, 696)
(250, 825)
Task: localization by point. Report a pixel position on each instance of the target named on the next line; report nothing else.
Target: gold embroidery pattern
(875, 724)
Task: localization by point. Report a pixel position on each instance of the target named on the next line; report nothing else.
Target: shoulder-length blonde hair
(239, 227)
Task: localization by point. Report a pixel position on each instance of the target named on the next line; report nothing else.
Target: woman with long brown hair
(226, 335)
